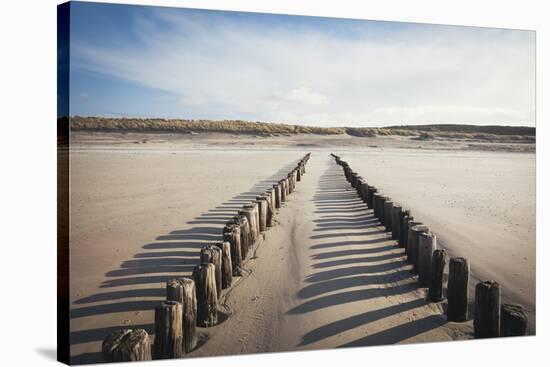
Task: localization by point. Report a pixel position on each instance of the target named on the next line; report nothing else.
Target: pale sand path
(327, 276)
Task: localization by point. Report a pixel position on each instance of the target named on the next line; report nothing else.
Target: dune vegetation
(420, 132)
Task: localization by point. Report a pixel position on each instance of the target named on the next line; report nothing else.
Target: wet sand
(325, 276)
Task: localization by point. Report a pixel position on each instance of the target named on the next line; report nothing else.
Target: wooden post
(287, 186)
(382, 203)
(412, 250)
(487, 310)
(288, 180)
(182, 290)
(126, 345)
(250, 214)
(407, 224)
(277, 193)
(270, 193)
(376, 204)
(207, 296)
(227, 268)
(513, 320)
(395, 223)
(364, 192)
(436, 278)
(358, 185)
(232, 234)
(388, 208)
(246, 238)
(457, 289)
(283, 190)
(427, 243)
(411, 237)
(270, 210)
(355, 179)
(402, 227)
(262, 211)
(370, 198)
(347, 172)
(299, 173)
(273, 199)
(168, 330)
(211, 254)
(256, 209)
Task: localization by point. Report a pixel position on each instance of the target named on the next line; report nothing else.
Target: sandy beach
(326, 275)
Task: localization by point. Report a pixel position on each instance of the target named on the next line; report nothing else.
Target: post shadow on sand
(338, 271)
(175, 253)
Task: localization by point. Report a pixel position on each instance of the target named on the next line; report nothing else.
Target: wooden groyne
(491, 318)
(194, 301)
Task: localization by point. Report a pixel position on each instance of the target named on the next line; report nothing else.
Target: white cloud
(433, 75)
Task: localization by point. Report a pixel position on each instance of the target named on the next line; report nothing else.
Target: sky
(141, 61)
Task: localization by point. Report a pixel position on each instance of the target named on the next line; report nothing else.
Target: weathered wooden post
(270, 212)
(513, 320)
(388, 208)
(436, 277)
(404, 214)
(364, 192)
(246, 237)
(347, 172)
(408, 224)
(382, 203)
(256, 209)
(250, 214)
(168, 330)
(457, 289)
(227, 266)
(126, 345)
(232, 234)
(354, 177)
(287, 186)
(427, 243)
(359, 183)
(370, 196)
(289, 183)
(299, 173)
(283, 190)
(395, 221)
(412, 250)
(182, 290)
(487, 310)
(270, 193)
(212, 254)
(207, 296)
(376, 204)
(262, 211)
(412, 241)
(277, 194)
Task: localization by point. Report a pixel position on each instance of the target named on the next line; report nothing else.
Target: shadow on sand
(174, 254)
(354, 261)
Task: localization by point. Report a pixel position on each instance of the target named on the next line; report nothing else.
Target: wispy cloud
(222, 68)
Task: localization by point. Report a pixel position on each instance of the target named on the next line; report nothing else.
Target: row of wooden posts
(491, 318)
(193, 301)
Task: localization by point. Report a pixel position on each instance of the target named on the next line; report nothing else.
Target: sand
(480, 204)
(326, 276)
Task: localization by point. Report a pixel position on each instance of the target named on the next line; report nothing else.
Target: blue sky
(139, 61)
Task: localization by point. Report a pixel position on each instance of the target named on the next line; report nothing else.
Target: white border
(28, 64)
